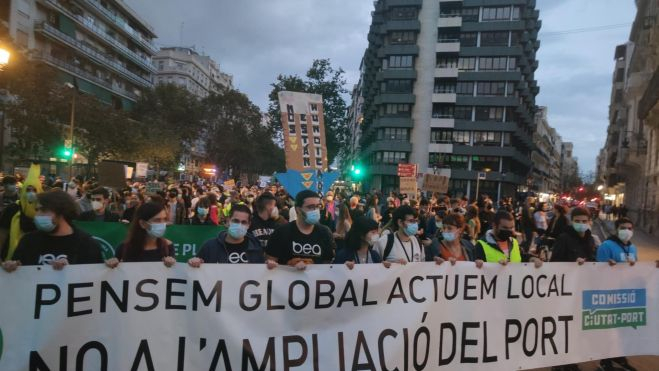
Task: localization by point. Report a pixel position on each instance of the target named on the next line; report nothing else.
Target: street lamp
(5, 54)
(69, 142)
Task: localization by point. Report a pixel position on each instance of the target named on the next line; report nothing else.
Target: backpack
(389, 246)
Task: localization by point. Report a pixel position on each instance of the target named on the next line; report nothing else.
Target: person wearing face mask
(499, 244)
(453, 247)
(266, 219)
(233, 246)
(176, 212)
(56, 241)
(577, 243)
(18, 219)
(304, 241)
(402, 246)
(360, 240)
(133, 201)
(100, 211)
(201, 214)
(619, 248)
(10, 192)
(145, 242)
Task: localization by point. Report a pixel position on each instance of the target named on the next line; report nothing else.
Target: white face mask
(625, 235)
(373, 239)
(97, 205)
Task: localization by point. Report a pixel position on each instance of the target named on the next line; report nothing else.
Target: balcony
(122, 25)
(78, 72)
(440, 147)
(446, 72)
(442, 122)
(444, 98)
(91, 53)
(142, 62)
(449, 21)
(448, 46)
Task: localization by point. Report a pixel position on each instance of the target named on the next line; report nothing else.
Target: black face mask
(504, 235)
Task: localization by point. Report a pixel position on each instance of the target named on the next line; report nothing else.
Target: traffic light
(356, 171)
(66, 153)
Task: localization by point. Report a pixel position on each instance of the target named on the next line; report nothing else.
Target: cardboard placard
(408, 186)
(435, 183)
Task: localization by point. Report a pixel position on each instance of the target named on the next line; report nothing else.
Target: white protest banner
(415, 317)
(141, 169)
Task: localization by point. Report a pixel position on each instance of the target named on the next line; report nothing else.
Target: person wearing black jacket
(577, 242)
(100, 211)
(234, 246)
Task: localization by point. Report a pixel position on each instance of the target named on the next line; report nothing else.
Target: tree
(321, 79)
(235, 137)
(167, 122)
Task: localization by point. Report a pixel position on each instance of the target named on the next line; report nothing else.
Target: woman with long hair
(374, 210)
(473, 226)
(145, 242)
(202, 212)
(359, 244)
(343, 225)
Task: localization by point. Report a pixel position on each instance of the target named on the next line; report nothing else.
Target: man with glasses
(100, 198)
(233, 246)
(402, 246)
(303, 241)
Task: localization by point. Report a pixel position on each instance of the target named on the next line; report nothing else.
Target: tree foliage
(323, 79)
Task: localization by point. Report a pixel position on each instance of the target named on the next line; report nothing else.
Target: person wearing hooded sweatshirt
(576, 244)
(618, 249)
(233, 246)
(18, 219)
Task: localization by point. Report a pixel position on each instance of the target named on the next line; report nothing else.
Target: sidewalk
(648, 245)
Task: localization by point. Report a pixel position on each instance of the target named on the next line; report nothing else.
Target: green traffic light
(67, 153)
(358, 171)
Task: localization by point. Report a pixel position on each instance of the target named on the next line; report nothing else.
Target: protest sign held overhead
(304, 131)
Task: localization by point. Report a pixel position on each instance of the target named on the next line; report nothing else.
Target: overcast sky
(255, 40)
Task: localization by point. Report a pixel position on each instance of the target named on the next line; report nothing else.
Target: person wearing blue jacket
(618, 249)
(233, 246)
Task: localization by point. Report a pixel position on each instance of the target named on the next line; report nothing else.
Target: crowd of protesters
(269, 226)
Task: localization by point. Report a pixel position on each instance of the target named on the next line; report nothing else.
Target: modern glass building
(449, 85)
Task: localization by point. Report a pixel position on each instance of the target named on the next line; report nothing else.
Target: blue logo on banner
(602, 309)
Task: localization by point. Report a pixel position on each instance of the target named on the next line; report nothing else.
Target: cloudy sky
(255, 40)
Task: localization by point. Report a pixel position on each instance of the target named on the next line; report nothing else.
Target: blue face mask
(580, 227)
(157, 230)
(448, 236)
(201, 211)
(411, 229)
(312, 217)
(237, 230)
(44, 223)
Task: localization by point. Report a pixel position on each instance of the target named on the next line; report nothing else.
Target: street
(648, 250)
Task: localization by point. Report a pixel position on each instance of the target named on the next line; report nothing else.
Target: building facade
(197, 73)
(102, 47)
(569, 168)
(631, 171)
(449, 85)
(355, 119)
(547, 155)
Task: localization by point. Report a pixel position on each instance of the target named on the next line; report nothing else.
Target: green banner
(187, 239)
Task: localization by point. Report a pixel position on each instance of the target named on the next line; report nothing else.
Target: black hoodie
(570, 246)
(217, 250)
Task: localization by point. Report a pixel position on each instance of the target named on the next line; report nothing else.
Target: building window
(402, 37)
(442, 111)
(489, 113)
(449, 136)
(516, 13)
(620, 75)
(448, 37)
(492, 63)
(395, 110)
(468, 38)
(447, 62)
(403, 13)
(496, 38)
(398, 110)
(491, 88)
(506, 140)
(398, 61)
(512, 64)
(511, 115)
(462, 113)
(514, 38)
(391, 157)
(397, 86)
(480, 163)
(22, 38)
(465, 88)
(394, 134)
(444, 87)
(487, 138)
(467, 63)
(470, 14)
(161, 65)
(448, 160)
(500, 13)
